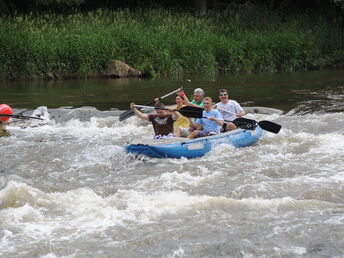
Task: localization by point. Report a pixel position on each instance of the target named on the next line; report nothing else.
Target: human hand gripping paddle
(187, 111)
(266, 125)
(128, 113)
(249, 124)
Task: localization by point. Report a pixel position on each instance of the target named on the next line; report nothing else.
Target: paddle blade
(244, 123)
(189, 111)
(129, 113)
(125, 115)
(270, 126)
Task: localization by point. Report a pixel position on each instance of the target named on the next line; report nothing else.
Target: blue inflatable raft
(181, 147)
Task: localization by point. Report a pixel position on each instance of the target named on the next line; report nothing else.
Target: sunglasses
(221, 95)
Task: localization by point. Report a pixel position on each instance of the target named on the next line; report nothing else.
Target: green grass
(166, 43)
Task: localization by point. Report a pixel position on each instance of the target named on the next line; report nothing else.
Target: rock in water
(118, 69)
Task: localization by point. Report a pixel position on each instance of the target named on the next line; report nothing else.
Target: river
(68, 189)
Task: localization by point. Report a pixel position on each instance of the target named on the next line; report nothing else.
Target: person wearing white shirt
(233, 108)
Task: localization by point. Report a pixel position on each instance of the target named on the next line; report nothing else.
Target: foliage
(340, 3)
(166, 43)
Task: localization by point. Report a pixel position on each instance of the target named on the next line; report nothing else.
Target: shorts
(184, 132)
(159, 136)
(224, 128)
(206, 133)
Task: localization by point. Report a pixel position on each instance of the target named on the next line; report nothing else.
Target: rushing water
(68, 189)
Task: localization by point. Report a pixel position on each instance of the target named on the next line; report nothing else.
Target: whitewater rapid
(68, 189)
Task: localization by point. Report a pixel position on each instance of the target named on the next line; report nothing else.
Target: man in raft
(162, 121)
(198, 100)
(211, 122)
(229, 109)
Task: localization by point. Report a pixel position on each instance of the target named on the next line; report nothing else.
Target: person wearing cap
(198, 98)
(234, 110)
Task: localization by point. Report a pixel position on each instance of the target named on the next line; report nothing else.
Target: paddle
(266, 125)
(240, 122)
(187, 111)
(128, 113)
(19, 116)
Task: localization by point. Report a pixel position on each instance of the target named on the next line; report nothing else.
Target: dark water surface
(283, 91)
(68, 189)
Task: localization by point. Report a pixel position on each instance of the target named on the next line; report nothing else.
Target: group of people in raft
(170, 123)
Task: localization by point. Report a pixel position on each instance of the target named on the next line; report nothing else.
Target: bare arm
(241, 114)
(138, 112)
(175, 115)
(218, 121)
(188, 103)
(193, 125)
(186, 100)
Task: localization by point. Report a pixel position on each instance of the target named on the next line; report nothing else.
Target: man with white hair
(198, 98)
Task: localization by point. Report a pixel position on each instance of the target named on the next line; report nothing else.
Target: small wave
(126, 205)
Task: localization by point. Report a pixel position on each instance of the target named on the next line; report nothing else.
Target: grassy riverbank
(166, 43)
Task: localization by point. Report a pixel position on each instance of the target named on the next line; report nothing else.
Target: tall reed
(167, 43)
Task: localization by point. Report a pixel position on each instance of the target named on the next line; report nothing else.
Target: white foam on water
(176, 254)
(175, 180)
(96, 155)
(290, 251)
(147, 206)
(31, 214)
(87, 129)
(337, 219)
(52, 255)
(331, 143)
(286, 202)
(299, 250)
(298, 170)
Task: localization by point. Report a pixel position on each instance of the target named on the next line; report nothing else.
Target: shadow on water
(301, 92)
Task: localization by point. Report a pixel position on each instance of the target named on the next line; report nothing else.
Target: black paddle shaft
(18, 116)
(244, 123)
(129, 113)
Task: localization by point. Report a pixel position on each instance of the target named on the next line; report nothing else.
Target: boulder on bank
(118, 69)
